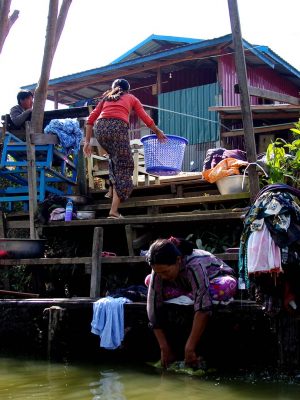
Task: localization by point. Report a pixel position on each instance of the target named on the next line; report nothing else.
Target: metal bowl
(23, 248)
(79, 200)
(86, 214)
(233, 184)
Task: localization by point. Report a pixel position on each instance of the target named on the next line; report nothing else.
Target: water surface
(27, 380)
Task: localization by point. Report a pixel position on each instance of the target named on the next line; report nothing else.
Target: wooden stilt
(31, 180)
(96, 263)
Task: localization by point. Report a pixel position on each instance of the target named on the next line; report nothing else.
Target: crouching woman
(178, 269)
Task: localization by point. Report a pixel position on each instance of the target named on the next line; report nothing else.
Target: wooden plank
(258, 129)
(81, 173)
(184, 176)
(260, 108)
(240, 66)
(2, 225)
(145, 219)
(96, 263)
(138, 219)
(18, 294)
(129, 237)
(75, 260)
(45, 261)
(176, 201)
(270, 94)
(269, 116)
(31, 170)
(42, 138)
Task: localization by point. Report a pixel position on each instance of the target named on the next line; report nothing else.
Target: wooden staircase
(158, 211)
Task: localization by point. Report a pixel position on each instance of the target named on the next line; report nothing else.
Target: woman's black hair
(118, 88)
(166, 251)
(122, 83)
(162, 251)
(184, 246)
(23, 94)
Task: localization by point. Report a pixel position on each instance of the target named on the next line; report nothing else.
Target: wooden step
(138, 219)
(183, 201)
(87, 260)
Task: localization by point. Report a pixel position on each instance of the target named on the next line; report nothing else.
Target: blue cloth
(68, 133)
(108, 321)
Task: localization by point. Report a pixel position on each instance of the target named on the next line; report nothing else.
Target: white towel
(108, 321)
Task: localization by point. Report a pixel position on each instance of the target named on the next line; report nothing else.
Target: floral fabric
(112, 134)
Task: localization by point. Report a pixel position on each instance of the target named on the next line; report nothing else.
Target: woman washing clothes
(112, 123)
(178, 269)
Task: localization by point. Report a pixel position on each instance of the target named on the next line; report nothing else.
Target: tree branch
(61, 20)
(42, 86)
(6, 22)
(54, 29)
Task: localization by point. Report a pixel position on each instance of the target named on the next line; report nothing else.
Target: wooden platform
(184, 201)
(87, 260)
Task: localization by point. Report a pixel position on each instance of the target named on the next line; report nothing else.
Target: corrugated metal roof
(141, 62)
(153, 44)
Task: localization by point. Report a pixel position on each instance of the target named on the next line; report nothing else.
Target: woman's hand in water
(166, 356)
(190, 358)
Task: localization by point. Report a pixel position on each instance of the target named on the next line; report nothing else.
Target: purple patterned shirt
(193, 280)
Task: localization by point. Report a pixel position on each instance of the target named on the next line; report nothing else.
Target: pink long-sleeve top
(120, 109)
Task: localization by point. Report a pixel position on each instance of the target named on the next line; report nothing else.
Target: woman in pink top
(112, 123)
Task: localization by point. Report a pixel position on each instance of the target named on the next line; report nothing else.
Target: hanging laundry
(108, 321)
(272, 225)
(68, 133)
(262, 253)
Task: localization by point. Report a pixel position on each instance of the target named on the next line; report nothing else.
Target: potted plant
(283, 160)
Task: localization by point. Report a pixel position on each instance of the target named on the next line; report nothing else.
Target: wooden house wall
(262, 77)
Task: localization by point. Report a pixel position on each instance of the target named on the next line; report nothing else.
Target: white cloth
(263, 255)
(108, 321)
(181, 300)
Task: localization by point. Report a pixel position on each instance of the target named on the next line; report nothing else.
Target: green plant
(283, 159)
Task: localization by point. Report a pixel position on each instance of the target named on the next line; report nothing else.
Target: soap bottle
(69, 210)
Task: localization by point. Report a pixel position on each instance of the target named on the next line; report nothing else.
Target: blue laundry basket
(164, 158)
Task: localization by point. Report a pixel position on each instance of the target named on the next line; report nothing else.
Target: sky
(97, 32)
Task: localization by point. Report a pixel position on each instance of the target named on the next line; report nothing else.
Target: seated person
(22, 112)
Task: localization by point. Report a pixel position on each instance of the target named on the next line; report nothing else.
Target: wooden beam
(260, 108)
(2, 225)
(258, 129)
(146, 219)
(42, 138)
(240, 65)
(96, 263)
(260, 116)
(18, 294)
(31, 171)
(176, 201)
(45, 261)
(270, 94)
(69, 261)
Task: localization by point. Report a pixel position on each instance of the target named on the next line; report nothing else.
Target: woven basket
(164, 158)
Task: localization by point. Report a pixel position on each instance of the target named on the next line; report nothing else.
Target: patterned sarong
(112, 134)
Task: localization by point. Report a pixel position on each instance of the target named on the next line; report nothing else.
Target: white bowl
(233, 184)
(86, 214)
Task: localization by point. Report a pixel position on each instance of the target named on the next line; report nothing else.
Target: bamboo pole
(240, 65)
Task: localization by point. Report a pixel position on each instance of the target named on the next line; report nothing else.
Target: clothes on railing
(108, 321)
(68, 133)
(274, 218)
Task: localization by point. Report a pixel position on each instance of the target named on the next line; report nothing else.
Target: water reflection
(27, 380)
(108, 387)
